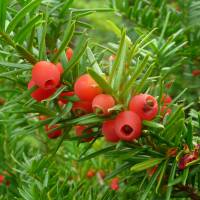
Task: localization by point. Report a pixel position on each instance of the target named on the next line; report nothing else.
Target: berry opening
(149, 104)
(49, 84)
(126, 129)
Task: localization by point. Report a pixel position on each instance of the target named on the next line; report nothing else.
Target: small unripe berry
(46, 75)
(128, 126)
(86, 88)
(40, 94)
(102, 103)
(81, 131)
(108, 130)
(82, 107)
(63, 96)
(144, 105)
(69, 53)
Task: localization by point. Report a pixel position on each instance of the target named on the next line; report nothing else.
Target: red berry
(82, 107)
(102, 103)
(45, 75)
(108, 129)
(90, 173)
(165, 111)
(196, 72)
(69, 53)
(80, 131)
(144, 105)
(40, 94)
(86, 88)
(114, 185)
(2, 178)
(128, 126)
(166, 99)
(55, 133)
(60, 67)
(63, 96)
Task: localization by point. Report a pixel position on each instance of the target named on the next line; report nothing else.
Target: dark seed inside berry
(127, 130)
(49, 83)
(148, 105)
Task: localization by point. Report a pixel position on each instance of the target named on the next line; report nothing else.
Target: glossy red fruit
(2, 178)
(128, 126)
(80, 131)
(40, 94)
(86, 88)
(69, 53)
(108, 130)
(46, 75)
(102, 103)
(166, 99)
(63, 96)
(114, 185)
(55, 133)
(90, 173)
(82, 107)
(144, 105)
(60, 68)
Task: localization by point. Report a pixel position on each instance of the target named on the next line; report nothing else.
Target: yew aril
(108, 130)
(102, 103)
(86, 88)
(82, 107)
(144, 105)
(46, 75)
(128, 126)
(40, 94)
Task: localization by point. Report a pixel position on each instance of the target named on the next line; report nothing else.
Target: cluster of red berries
(46, 76)
(127, 125)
